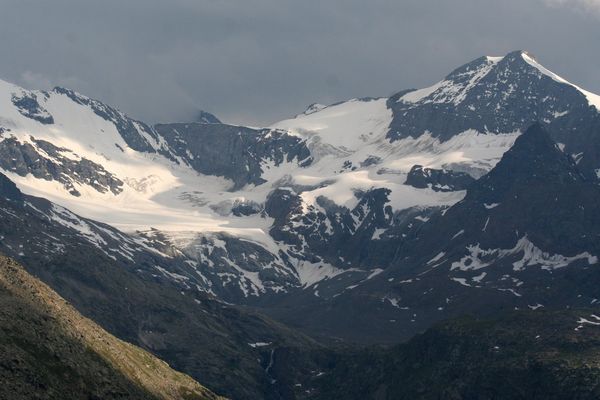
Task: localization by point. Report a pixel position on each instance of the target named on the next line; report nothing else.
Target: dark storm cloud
(256, 61)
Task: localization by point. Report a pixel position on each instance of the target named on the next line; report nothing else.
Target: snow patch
(259, 344)
(531, 255)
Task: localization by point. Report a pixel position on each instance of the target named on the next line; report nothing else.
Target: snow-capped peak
(456, 86)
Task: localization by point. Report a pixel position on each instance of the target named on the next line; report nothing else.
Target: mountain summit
(489, 94)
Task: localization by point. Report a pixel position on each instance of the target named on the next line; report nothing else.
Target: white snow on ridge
(490, 206)
(184, 205)
(377, 233)
(419, 94)
(533, 255)
(436, 258)
(495, 59)
(259, 344)
(448, 91)
(592, 98)
(595, 321)
(312, 273)
(160, 194)
(471, 151)
(348, 125)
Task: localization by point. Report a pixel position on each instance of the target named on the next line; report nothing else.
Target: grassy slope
(50, 351)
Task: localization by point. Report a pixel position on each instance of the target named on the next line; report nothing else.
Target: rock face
(330, 233)
(223, 265)
(49, 350)
(9, 190)
(439, 180)
(28, 105)
(45, 161)
(234, 152)
(204, 117)
(536, 191)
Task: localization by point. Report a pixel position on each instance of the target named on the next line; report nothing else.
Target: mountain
(304, 219)
(502, 95)
(525, 236)
(49, 350)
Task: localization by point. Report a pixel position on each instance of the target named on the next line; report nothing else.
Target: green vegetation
(50, 351)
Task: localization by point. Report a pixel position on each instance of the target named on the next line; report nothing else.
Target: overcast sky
(258, 61)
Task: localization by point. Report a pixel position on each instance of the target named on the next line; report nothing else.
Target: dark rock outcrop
(204, 117)
(28, 105)
(237, 153)
(525, 236)
(9, 190)
(45, 161)
(439, 180)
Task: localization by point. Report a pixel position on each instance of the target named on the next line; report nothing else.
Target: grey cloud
(590, 7)
(256, 61)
